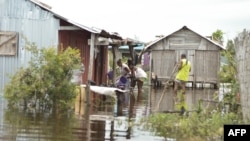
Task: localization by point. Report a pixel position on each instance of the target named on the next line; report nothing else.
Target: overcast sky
(144, 19)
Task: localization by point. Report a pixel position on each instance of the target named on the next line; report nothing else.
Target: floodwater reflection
(192, 97)
(102, 121)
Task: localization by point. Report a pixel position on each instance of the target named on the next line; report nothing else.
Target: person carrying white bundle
(137, 76)
(140, 73)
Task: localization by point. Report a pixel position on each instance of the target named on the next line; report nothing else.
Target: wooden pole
(90, 70)
(131, 51)
(166, 85)
(114, 52)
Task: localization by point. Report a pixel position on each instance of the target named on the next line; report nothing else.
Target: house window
(8, 43)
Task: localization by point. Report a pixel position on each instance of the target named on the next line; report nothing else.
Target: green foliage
(162, 125)
(228, 71)
(197, 126)
(218, 36)
(228, 74)
(49, 72)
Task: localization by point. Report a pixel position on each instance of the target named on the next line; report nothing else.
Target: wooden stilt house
(202, 52)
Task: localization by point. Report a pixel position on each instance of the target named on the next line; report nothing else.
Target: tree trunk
(242, 47)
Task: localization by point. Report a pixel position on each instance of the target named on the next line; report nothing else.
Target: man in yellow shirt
(182, 76)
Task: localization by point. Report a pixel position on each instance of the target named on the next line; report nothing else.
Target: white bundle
(140, 73)
(111, 91)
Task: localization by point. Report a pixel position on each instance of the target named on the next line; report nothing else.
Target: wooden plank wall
(206, 66)
(203, 55)
(163, 63)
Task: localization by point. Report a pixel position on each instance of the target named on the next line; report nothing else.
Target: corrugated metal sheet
(39, 24)
(48, 8)
(126, 47)
(30, 21)
(77, 39)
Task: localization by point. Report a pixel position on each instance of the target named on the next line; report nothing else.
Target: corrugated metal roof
(102, 32)
(139, 47)
(41, 4)
(48, 8)
(95, 30)
(184, 27)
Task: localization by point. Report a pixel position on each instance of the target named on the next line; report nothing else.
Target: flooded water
(98, 122)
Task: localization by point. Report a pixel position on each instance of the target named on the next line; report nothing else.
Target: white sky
(143, 19)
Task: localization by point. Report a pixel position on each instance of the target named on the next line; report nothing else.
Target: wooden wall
(203, 55)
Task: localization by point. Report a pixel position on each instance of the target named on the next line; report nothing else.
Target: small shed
(202, 52)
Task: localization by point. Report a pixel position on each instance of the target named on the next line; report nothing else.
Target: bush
(194, 127)
(47, 79)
